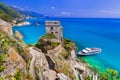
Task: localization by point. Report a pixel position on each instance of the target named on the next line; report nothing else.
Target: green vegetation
(8, 10)
(104, 76)
(2, 58)
(48, 36)
(18, 75)
(88, 78)
(45, 43)
(68, 45)
(54, 44)
(19, 21)
(7, 13)
(5, 16)
(3, 50)
(62, 65)
(37, 71)
(31, 45)
(113, 74)
(65, 54)
(94, 69)
(62, 60)
(6, 42)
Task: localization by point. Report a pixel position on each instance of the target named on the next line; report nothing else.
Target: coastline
(91, 62)
(37, 46)
(85, 60)
(25, 23)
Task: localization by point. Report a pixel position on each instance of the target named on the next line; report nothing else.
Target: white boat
(89, 51)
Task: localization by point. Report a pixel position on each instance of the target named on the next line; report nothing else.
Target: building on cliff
(54, 27)
(5, 26)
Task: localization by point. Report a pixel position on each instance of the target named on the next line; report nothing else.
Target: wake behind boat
(89, 51)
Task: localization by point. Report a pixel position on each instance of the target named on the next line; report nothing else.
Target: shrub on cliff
(68, 44)
(113, 74)
(48, 36)
(65, 54)
(6, 42)
(18, 75)
(63, 65)
(2, 58)
(45, 43)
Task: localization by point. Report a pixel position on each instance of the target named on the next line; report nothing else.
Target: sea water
(85, 32)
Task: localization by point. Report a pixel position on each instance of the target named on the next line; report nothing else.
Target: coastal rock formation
(5, 26)
(23, 24)
(62, 60)
(13, 63)
(14, 58)
(18, 35)
(58, 58)
(37, 63)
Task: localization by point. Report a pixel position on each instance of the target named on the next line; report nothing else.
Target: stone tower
(54, 27)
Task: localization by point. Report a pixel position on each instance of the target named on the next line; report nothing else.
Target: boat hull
(93, 51)
(79, 54)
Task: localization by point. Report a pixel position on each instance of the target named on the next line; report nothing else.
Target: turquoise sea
(86, 32)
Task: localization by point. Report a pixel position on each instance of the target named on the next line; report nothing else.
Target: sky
(70, 8)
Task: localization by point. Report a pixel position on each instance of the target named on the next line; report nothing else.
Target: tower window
(51, 28)
(51, 32)
(56, 32)
(55, 22)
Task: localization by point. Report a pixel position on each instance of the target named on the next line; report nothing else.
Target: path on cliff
(50, 62)
(35, 53)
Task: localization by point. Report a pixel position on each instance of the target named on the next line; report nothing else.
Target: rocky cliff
(14, 58)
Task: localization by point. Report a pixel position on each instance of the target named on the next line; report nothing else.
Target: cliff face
(14, 58)
(12, 63)
(18, 35)
(58, 57)
(5, 26)
(61, 61)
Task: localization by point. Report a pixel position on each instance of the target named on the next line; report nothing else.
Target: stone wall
(56, 50)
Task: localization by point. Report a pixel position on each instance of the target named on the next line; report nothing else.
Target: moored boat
(89, 51)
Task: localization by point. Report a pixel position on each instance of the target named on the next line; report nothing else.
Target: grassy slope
(7, 13)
